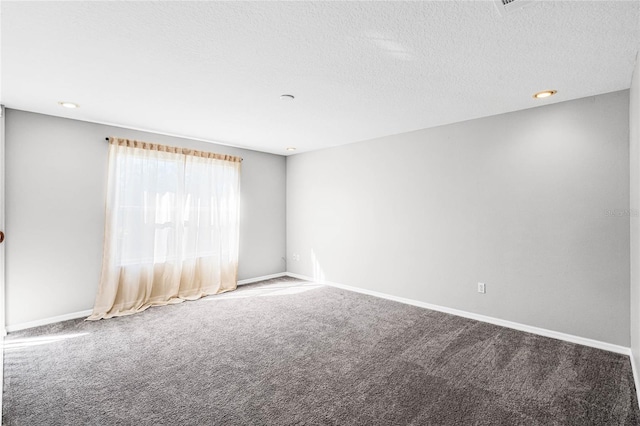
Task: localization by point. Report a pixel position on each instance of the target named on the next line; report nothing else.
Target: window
(172, 226)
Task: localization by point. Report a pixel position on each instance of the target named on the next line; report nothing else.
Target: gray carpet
(285, 352)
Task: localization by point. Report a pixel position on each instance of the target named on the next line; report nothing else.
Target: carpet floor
(289, 352)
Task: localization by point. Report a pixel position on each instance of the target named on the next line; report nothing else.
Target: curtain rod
(189, 149)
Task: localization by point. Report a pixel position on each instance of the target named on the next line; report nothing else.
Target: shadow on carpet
(289, 352)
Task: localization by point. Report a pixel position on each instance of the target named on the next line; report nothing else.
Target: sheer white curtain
(172, 226)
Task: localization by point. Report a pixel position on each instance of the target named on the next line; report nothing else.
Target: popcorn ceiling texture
(359, 70)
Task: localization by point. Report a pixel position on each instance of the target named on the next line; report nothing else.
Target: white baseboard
(84, 314)
(304, 277)
(265, 277)
(635, 377)
(46, 321)
(478, 317)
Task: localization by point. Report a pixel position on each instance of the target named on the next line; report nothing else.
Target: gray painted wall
(634, 161)
(56, 180)
(518, 201)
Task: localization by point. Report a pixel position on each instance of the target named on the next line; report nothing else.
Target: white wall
(634, 160)
(56, 181)
(518, 201)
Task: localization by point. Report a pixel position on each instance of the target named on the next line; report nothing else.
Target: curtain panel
(172, 227)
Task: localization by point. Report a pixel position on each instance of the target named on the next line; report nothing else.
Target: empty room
(320, 212)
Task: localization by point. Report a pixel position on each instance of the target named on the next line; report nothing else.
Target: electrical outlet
(481, 288)
(296, 256)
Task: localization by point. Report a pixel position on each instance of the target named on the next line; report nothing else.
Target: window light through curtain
(172, 227)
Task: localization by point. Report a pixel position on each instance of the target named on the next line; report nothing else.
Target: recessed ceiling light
(291, 148)
(545, 94)
(287, 97)
(69, 105)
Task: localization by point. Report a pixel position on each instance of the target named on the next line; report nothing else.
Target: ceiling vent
(509, 6)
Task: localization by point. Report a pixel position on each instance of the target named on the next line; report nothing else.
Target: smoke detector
(509, 6)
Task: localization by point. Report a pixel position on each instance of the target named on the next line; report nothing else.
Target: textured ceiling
(358, 70)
